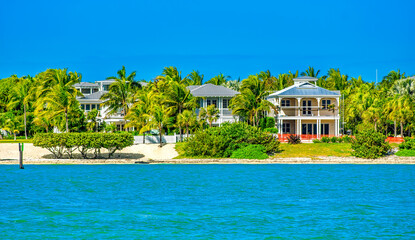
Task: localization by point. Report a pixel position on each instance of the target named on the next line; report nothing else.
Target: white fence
(156, 139)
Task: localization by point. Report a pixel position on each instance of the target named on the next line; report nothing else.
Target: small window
(285, 103)
(86, 90)
(99, 106)
(95, 90)
(208, 102)
(325, 104)
(93, 106)
(87, 107)
(225, 103)
(105, 87)
(82, 106)
(214, 102)
(286, 128)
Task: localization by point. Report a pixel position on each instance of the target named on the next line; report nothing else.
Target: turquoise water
(207, 202)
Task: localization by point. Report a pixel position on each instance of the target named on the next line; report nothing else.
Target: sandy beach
(152, 154)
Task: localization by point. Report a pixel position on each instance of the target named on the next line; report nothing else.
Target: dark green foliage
(333, 139)
(250, 152)
(267, 122)
(405, 153)
(271, 130)
(370, 144)
(409, 144)
(340, 140)
(316, 141)
(325, 139)
(222, 141)
(294, 139)
(347, 139)
(60, 143)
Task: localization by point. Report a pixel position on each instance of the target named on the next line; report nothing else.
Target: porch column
(299, 128)
(221, 110)
(318, 106)
(335, 127)
(299, 105)
(318, 128)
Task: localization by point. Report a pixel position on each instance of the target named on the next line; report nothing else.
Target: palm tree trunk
(180, 127)
(144, 137)
(66, 118)
(394, 123)
(14, 136)
(401, 129)
(187, 131)
(161, 143)
(376, 126)
(25, 125)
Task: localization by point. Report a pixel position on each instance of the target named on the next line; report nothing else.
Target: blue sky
(236, 38)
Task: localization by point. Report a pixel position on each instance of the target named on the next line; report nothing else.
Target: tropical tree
(12, 124)
(92, 120)
(138, 115)
(233, 84)
(310, 72)
(389, 80)
(404, 87)
(121, 94)
(159, 118)
(210, 113)
(21, 96)
(42, 120)
(219, 79)
(195, 78)
(187, 119)
(400, 109)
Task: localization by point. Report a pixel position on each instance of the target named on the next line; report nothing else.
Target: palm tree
(12, 125)
(179, 98)
(210, 113)
(172, 74)
(404, 87)
(92, 120)
(219, 79)
(233, 84)
(56, 93)
(21, 96)
(374, 113)
(186, 119)
(391, 78)
(121, 94)
(159, 118)
(43, 121)
(310, 72)
(138, 115)
(195, 78)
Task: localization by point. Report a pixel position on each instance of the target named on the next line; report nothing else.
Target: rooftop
(211, 90)
(304, 89)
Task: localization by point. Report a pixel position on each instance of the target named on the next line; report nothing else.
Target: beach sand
(151, 153)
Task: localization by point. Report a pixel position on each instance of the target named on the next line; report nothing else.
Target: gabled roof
(307, 78)
(304, 89)
(211, 90)
(94, 96)
(85, 84)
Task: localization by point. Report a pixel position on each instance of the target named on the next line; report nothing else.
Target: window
(225, 103)
(325, 129)
(325, 104)
(93, 106)
(105, 87)
(82, 106)
(286, 128)
(86, 91)
(212, 101)
(307, 107)
(87, 107)
(95, 90)
(99, 106)
(285, 103)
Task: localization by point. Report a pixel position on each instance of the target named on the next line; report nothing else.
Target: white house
(219, 96)
(307, 110)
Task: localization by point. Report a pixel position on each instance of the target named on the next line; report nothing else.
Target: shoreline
(319, 160)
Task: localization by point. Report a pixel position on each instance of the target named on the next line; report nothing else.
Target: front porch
(308, 128)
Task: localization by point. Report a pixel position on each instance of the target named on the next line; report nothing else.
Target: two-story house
(307, 110)
(219, 96)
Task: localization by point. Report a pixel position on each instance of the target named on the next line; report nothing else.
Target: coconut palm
(12, 124)
(195, 78)
(391, 78)
(121, 94)
(219, 79)
(187, 119)
(172, 74)
(210, 113)
(92, 120)
(138, 115)
(20, 96)
(159, 118)
(233, 84)
(400, 109)
(310, 72)
(404, 87)
(42, 120)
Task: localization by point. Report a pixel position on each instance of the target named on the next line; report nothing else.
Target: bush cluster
(250, 152)
(345, 139)
(267, 122)
(408, 144)
(222, 141)
(370, 144)
(60, 143)
(271, 130)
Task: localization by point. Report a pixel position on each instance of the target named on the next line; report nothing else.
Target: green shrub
(340, 139)
(333, 139)
(405, 153)
(325, 139)
(370, 144)
(270, 122)
(316, 141)
(409, 143)
(250, 152)
(60, 143)
(347, 139)
(271, 130)
(222, 141)
(293, 139)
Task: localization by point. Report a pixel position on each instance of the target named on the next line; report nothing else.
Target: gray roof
(304, 89)
(85, 84)
(211, 90)
(94, 96)
(306, 78)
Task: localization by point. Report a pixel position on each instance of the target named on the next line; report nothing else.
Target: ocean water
(207, 202)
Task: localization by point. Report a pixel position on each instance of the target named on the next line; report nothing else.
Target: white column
(318, 128)
(221, 110)
(299, 128)
(299, 105)
(318, 106)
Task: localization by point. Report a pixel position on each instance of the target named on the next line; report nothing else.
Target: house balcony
(307, 111)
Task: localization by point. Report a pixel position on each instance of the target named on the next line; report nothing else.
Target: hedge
(60, 143)
(370, 144)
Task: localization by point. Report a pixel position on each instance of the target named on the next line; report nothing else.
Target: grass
(405, 153)
(17, 141)
(315, 150)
